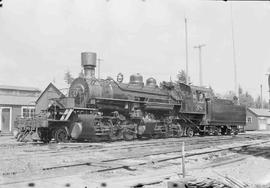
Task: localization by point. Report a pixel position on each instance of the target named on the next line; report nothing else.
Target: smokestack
(89, 61)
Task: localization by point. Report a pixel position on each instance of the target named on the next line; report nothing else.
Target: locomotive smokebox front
(82, 88)
(87, 87)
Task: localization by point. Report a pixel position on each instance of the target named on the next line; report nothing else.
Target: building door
(5, 119)
(262, 124)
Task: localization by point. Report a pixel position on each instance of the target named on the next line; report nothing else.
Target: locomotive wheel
(229, 132)
(177, 130)
(235, 130)
(139, 136)
(128, 135)
(60, 135)
(44, 135)
(168, 133)
(201, 133)
(190, 132)
(223, 130)
(115, 135)
(180, 131)
(216, 132)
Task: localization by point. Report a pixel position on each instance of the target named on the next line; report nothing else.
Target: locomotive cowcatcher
(105, 109)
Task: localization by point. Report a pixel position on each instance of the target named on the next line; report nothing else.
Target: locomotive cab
(194, 98)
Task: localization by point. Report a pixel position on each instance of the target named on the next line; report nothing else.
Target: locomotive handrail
(125, 100)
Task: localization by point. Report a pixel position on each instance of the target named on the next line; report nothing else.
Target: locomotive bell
(136, 79)
(89, 61)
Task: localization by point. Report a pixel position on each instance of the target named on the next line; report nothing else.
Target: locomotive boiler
(108, 109)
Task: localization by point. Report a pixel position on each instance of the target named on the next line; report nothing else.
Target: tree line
(245, 98)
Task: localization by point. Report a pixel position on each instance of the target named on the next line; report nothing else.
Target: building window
(249, 119)
(28, 112)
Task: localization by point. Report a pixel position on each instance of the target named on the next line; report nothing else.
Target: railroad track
(170, 146)
(78, 156)
(108, 166)
(69, 149)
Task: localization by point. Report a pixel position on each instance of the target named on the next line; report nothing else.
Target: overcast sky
(41, 39)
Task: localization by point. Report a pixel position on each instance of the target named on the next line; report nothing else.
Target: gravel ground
(22, 163)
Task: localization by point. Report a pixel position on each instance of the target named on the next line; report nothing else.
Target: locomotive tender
(105, 109)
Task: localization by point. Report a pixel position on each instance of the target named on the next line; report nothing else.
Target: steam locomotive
(108, 109)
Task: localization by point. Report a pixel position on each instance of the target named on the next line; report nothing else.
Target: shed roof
(17, 100)
(7, 87)
(260, 112)
(47, 88)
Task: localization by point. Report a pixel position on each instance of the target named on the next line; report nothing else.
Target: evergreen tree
(181, 77)
(68, 77)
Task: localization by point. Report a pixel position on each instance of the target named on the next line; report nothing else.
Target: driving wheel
(60, 135)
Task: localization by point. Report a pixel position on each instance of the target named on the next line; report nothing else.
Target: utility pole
(234, 57)
(187, 77)
(269, 90)
(200, 61)
(261, 98)
(98, 61)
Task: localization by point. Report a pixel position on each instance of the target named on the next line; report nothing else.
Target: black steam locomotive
(105, 109)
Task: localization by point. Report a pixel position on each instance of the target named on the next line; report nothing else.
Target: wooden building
(51, 92)
(16, 101)
(258, 119)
